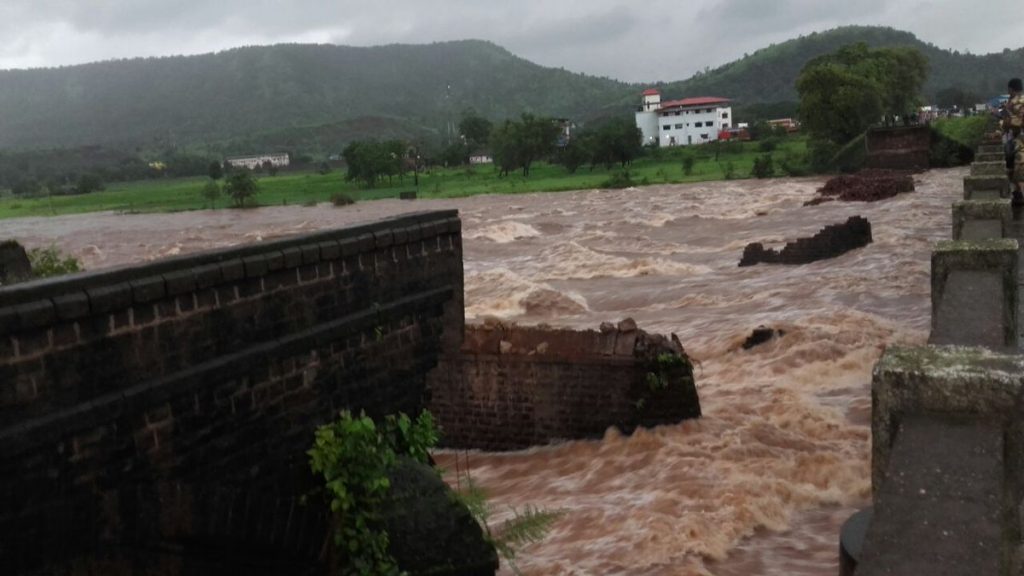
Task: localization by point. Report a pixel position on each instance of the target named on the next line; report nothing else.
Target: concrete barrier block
(990, 149)
(974, 293)
(981, 219)
(986, 187)
(990, 157)
(949, 381)
(997, 168)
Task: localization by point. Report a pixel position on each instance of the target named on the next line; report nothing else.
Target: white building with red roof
(682, 122)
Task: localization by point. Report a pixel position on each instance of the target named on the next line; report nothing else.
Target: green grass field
(660, 167)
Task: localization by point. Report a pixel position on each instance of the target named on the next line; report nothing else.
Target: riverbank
(660, 166)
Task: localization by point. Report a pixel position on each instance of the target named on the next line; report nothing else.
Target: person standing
(1012, 124)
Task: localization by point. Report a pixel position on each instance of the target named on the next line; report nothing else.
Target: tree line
(513, 144)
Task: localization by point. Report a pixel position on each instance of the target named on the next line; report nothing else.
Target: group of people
(1011, 124)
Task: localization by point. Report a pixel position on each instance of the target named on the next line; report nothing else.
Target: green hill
(316, 98)
(176, 101)
(769, 74)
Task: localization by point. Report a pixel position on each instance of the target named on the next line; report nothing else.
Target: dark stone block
(180, 282)
(35, 314)
(383, 238)
(105, 299)
(310, 254)
(148, 289)
(401, 236)
(255, 266)
(232, 270)
(275, 260)
(366, 243)
(330, 250)
(207, 276)
(348, 247)
(292, 257)
(8, 320)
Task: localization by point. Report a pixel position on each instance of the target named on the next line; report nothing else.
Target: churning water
(760, 484)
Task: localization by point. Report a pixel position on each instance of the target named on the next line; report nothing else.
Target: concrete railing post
(974, 293)
(981, 219)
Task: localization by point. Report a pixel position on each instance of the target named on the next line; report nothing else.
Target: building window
(676, 114)
(666, 127)
(725, 115)
(704, 136)
(679, 126)
(698, 124)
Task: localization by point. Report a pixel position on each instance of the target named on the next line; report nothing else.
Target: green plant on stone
(354, 455)
(50, 261)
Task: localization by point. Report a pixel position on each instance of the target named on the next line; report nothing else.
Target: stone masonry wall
(513, 387)
(170, 405)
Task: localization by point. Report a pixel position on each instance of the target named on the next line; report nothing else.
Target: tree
(574, 153)
(520, 143)
(215, 170)
(764, 167)
(210, 192)
(475, 129)
(241, 187)
(370, 161)
(617, 141)
(88, 183)
(843, 93)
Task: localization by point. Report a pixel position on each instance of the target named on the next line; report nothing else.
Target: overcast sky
(638, 40)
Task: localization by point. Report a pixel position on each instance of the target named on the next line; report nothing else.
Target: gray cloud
(635, 41)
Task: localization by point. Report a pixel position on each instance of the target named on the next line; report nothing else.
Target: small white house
(682, 122)
(277, 159)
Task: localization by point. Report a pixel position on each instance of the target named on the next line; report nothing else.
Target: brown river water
(760, 484)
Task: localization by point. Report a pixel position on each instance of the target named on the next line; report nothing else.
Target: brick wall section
(901, 148)
(513, 387)
(173, 402)
(831, 241)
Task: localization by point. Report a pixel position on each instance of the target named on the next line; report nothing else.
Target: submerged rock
(14, 263)
(760, 335)
(833, 240)
(429, 530)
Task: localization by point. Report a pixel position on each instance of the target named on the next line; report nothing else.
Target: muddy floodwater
(760, 484)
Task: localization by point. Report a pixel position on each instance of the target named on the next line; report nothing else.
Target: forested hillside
(175, 101)
(314, 99)
(769, 74)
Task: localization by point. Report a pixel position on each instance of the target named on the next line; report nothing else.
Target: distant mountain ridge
(318, 97)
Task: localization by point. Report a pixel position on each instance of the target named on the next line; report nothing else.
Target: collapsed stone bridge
(167, 407)
(155, 418)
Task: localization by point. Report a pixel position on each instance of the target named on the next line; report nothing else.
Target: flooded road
(759, 485)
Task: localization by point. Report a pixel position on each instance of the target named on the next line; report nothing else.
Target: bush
(618, 180)
(341, 199)
(763, 167)
(50, 261)
(354, 455)
(728, 170)
(768, 144)
(241, 187)
(688, 161)
(793, 164)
